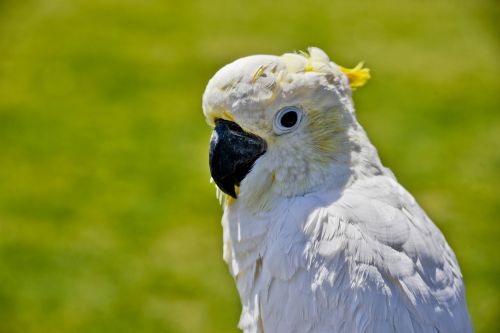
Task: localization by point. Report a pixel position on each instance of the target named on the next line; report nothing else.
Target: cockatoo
(318, 235)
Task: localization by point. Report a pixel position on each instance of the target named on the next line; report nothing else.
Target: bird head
(283, 125)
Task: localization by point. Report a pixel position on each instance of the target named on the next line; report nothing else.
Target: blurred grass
(107, 220)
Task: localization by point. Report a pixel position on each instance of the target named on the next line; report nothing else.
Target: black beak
(232, 154)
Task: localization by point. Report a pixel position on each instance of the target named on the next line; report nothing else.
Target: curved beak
(232, 154)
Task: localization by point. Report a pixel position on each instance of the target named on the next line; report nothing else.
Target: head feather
(357, 76)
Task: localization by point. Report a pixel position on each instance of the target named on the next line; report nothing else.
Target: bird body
(318, 235)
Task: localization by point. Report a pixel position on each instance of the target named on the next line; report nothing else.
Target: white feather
(364, 260)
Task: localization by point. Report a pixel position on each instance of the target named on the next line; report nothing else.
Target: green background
(108, 222)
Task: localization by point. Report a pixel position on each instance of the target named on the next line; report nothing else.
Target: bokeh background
(108, 222)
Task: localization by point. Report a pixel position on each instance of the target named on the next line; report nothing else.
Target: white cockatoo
(318, 235)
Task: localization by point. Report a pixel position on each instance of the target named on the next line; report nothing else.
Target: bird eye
(287, 119)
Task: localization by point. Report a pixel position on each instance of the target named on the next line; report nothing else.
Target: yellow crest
(357, 76)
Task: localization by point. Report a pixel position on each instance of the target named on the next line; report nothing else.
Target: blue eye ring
(287, 119)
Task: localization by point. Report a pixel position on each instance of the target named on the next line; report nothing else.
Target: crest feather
(357, 76)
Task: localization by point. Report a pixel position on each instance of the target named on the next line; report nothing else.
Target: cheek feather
(324, 131)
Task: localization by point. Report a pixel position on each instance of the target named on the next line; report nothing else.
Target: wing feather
(365, 260)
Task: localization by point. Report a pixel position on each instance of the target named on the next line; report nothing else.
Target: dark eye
(287, 119)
